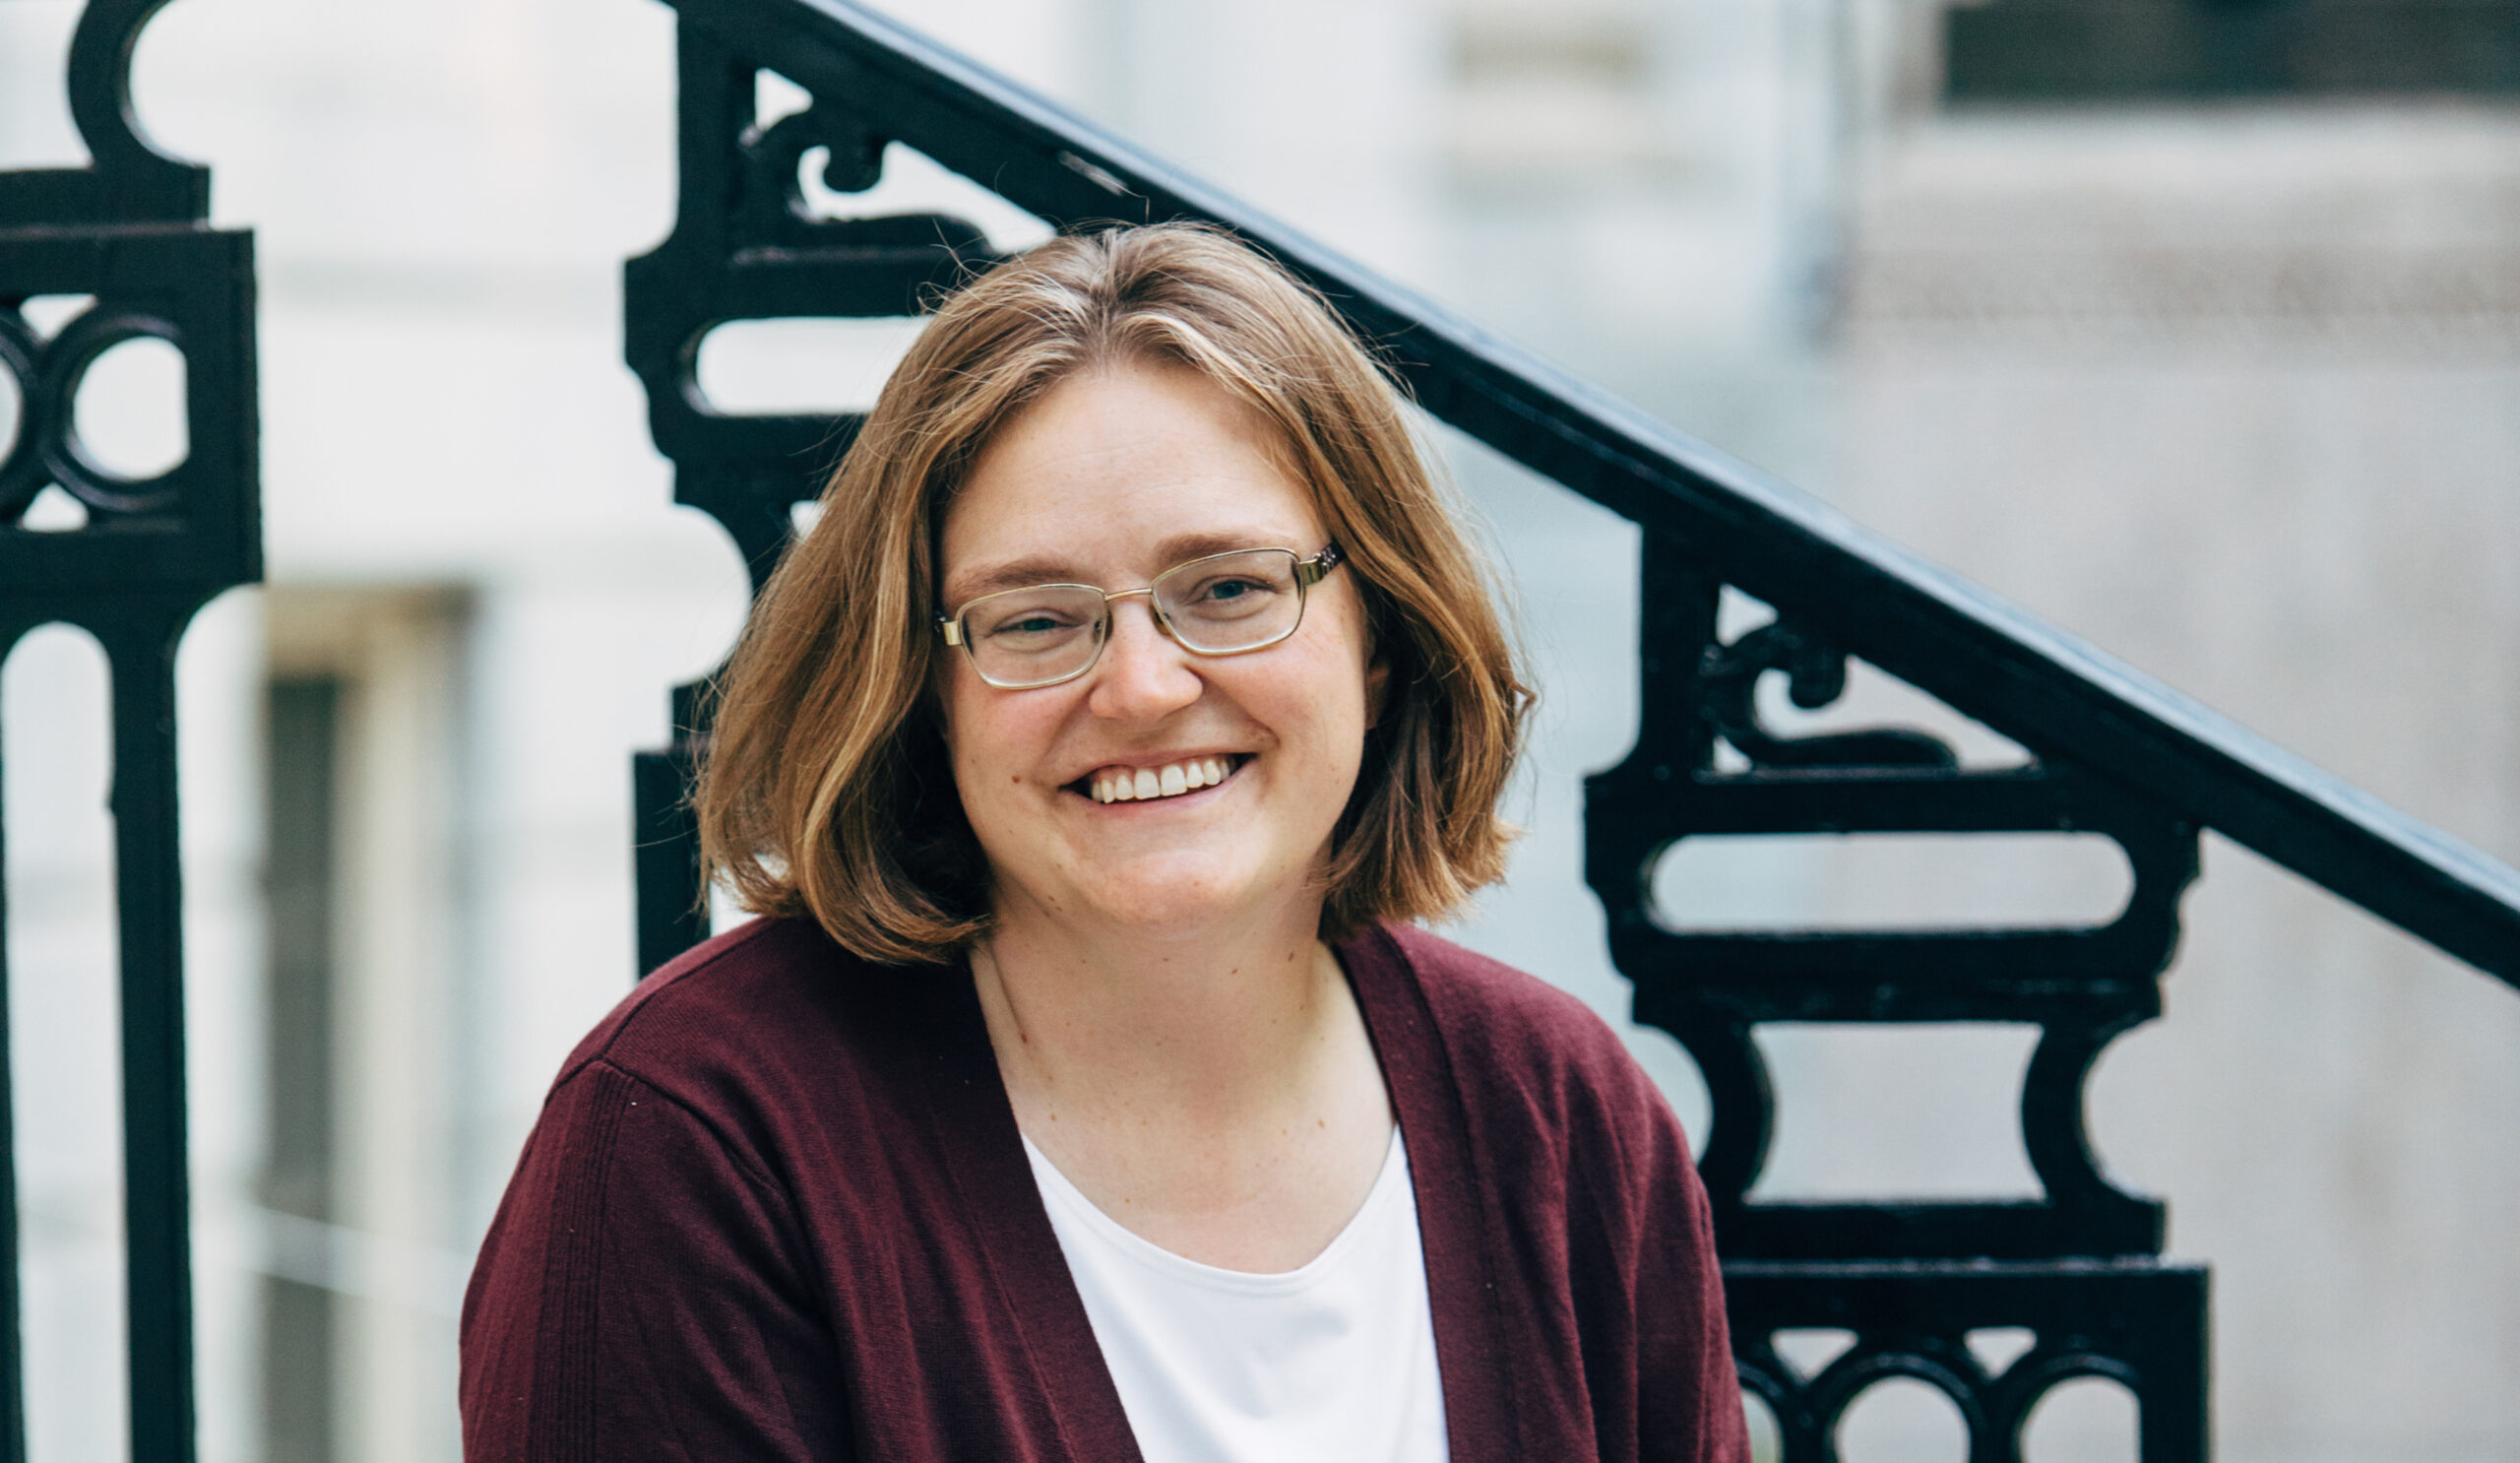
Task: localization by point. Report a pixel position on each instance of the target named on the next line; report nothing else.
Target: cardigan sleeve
(640, 1296)
(1689, 1392)
(1647, 1287)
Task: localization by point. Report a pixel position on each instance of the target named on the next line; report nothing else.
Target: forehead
(1117, 475)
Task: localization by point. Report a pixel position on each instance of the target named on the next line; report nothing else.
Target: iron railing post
(131, 230)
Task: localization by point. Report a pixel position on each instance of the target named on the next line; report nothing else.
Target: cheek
(1360, 678)
(953, 717)
(994, 741)
(972, 741)
(1332, 703)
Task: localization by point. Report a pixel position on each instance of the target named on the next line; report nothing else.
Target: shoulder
(1484, 1005)
(652, 1283)
(737, 1027)
(1512, 1038)
(742, 980)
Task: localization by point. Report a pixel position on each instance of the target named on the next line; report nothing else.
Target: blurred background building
(2211, 361)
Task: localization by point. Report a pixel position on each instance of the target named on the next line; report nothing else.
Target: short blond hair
(825, 789)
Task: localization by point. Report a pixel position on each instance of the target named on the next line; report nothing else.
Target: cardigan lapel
(1454, 1225)
(983, 1150)
(974, 1129)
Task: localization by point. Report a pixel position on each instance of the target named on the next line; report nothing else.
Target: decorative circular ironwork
(1994, 1407)
(47, 449)
(65, 368)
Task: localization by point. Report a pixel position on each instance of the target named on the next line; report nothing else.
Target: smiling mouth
(1154, 783)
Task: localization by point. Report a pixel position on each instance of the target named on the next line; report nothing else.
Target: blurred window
(2105, 50)
(1556, 92)
(357, 1224)
(303, 717)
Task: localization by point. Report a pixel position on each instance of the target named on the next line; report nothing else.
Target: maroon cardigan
(776, 1210)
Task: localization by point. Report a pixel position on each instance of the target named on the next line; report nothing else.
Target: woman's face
(1110, 479)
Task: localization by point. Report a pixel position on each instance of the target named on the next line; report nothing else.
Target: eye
(1030, 624)
(1229, 593)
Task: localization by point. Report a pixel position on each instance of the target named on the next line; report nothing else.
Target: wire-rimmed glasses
(1219, 604)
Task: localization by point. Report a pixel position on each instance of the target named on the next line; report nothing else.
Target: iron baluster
(131, 230)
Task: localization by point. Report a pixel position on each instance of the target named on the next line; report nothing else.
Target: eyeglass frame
(1308, 572)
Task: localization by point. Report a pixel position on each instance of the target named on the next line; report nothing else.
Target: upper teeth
(1128, 784)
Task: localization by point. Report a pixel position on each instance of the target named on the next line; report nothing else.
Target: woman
(1084, 1091)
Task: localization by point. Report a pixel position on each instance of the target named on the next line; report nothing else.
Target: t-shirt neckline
(1391, 1184)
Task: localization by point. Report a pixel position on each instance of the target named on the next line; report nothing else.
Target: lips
(1125, 784)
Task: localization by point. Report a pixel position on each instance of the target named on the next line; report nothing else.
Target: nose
(1143, 675)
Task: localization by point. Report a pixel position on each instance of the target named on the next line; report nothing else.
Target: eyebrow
(1023, 573)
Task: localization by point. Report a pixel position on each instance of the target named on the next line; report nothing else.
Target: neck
(1211, 1023)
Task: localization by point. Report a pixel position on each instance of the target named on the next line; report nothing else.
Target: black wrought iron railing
(2112, 752)
(130, 232)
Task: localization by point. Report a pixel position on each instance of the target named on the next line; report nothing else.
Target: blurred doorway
(364, 705)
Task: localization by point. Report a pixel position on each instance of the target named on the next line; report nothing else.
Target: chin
(1178, 895)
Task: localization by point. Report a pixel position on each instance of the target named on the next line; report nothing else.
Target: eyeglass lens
(1217, 605)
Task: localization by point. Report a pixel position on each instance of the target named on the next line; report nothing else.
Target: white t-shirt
(1332, 1361)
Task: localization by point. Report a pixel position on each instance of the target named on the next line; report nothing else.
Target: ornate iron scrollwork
(774, 164)
(130, 232)
(746, 246)
(1815, 677)
(2078, 1266)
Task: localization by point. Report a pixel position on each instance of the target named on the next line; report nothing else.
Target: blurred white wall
(2235, 393)
(1733, 212)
